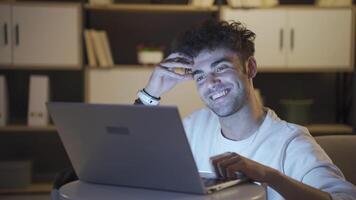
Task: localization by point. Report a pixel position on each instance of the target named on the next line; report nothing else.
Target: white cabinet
(43, 35)
(268, 25)
(320, 38)
(5, 36)
(299, 38)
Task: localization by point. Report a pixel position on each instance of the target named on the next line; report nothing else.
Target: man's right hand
(164, 78)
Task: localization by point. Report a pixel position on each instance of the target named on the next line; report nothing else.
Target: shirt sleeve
(307, 162)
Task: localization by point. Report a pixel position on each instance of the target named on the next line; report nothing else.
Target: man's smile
(219, 94)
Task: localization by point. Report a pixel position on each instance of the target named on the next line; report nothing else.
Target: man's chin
(223, 111)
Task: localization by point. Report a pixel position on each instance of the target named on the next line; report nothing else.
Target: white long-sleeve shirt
(286, 147)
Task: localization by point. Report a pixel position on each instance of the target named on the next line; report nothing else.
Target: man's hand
(226, 165)
(164, 76)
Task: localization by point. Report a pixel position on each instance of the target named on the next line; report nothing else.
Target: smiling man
(235, 133)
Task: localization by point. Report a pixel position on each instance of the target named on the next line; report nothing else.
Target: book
(3, 101)
(105, 40)
(90, 49)
(99, 49)
(38, 97)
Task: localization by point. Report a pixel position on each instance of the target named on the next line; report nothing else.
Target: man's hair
(213, 34)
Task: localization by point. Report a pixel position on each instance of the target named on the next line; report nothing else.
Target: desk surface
(84, 191)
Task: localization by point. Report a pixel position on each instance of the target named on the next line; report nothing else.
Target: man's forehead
(207, 57)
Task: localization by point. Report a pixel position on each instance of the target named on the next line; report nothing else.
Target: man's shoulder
(282, 128)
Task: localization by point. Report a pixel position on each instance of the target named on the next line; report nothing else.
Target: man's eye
(199, 78)
(221, 68)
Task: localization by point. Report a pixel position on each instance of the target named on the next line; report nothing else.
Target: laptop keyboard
(211, 181)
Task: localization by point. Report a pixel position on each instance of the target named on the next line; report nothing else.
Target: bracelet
(153, 97)
(147, 99)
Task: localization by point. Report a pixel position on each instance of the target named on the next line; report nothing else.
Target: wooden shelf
(329, 129)
(151, 7)
(74, 68)
(44, 187)
(303, 69)
(259, 69)
(25, 128)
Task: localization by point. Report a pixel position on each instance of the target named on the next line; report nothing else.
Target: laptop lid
(127, 145)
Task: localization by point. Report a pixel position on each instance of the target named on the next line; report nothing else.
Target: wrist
(152, 92)
(272, 177)
(147, 99)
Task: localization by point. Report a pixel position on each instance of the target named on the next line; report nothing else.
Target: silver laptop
(130, 145)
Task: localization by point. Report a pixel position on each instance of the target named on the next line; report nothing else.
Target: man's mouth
(219, 94)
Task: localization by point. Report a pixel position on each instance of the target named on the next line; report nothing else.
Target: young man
(235, 132)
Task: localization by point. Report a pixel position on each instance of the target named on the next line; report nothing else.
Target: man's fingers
(178, 60)
(179, 57)
(175, 65)
(228, 164)
(232, 170)
(218, 159)
(172, 74)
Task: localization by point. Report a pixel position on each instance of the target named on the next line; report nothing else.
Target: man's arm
(164, 77)
(227, 165)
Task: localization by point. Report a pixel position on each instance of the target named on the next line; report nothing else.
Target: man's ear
(251, 67)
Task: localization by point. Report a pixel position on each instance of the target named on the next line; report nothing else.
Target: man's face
(220, 81)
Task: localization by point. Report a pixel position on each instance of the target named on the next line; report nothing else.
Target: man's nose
(213, 80)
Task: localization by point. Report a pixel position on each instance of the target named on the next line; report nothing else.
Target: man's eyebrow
(214, 64)
(197, 72)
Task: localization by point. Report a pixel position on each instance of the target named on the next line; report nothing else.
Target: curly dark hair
(213, 34)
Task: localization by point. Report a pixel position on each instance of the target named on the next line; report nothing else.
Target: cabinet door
(46, 35)
(320, 38)
(5, 36)
(269, 26)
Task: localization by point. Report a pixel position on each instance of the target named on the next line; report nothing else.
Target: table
(79, 190)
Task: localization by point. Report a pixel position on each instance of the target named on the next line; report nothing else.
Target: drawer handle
(5, 34)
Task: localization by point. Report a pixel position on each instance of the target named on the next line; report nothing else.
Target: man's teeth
(219, 94)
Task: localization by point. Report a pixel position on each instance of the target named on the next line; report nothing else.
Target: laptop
(131, 145)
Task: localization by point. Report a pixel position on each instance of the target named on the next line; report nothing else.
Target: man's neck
(244, 122)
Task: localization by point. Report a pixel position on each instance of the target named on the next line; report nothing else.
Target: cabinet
(300, 37)
(40, 35)
(38, 38)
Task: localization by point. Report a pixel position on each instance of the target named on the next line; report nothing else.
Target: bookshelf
(50, 46)
(34, 188)
(25, 128)
(150, 8)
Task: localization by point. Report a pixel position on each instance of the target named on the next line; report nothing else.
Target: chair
(63, 177)
(341, 149)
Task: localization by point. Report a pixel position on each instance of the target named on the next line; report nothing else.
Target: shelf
(71, 68)
(259, 69)
(119, 66)
(303, 69)
(25, 128)
(329, 129)
(151, 7)
(44, 187)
